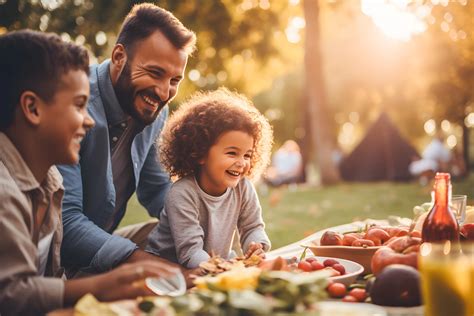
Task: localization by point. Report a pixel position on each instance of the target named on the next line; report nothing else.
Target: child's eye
(232, 153)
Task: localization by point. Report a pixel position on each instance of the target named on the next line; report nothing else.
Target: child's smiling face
(65, 118)
(226, 163)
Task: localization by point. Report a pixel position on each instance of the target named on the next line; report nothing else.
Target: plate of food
(341, 270)
(357, 246)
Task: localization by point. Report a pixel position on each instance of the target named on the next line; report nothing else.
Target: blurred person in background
(436, 157)
(287, 165)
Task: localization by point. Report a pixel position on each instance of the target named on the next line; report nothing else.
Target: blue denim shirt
(89, 200)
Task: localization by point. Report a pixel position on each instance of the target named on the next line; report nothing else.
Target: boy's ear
(29, 106)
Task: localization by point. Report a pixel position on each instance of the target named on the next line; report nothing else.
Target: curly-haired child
(214, 144)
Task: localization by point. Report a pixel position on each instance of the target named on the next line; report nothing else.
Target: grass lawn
(292, 215)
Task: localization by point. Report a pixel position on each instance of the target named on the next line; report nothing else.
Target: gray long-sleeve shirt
(193, 223)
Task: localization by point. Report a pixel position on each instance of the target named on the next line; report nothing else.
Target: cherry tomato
(305, 266)
(315, 265)
(349, 298)
(359, 294)
(337, 290)
(330, 262)
(339, 267)
(311, 259)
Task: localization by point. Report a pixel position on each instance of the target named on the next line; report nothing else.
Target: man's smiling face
(150, 77)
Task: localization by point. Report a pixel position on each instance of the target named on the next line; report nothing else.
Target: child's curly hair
(197, 124)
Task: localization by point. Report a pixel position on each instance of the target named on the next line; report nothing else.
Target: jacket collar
(113, 110)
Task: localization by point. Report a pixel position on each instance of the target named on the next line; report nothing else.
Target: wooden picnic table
(295, 250)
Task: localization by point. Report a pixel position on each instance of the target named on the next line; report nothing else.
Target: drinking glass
(446, 277)
(458, 206)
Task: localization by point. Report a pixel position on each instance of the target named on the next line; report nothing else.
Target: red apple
(377, 235)
(401, 250)
(330, 238)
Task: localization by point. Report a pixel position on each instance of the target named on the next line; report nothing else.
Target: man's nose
(163, 91)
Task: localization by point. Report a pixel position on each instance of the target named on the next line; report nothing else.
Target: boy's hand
(255, 249)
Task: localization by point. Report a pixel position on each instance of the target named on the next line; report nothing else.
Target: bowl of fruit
(357, 246)
(342, 271)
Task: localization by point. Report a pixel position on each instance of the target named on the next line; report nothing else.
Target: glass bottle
(440, 224)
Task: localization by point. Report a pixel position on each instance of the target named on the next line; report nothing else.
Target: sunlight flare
(394, 18)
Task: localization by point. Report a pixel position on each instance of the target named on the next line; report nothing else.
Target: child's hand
(255, 249)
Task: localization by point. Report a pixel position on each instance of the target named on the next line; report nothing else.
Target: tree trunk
(320, 131)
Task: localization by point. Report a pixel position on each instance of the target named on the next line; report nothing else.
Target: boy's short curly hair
(197, 124)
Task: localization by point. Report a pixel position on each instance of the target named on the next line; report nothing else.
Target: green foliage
(246, 49)
(453, 66)
(223, 28)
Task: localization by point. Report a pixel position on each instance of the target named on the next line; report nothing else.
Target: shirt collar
(113, 110)
(21, 173)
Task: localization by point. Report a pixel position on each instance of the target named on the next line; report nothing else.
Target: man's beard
(124, 90)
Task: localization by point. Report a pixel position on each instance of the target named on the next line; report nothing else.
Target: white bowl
(353, 270)
(361, 255)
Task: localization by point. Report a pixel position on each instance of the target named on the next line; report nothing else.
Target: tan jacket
(22, 290)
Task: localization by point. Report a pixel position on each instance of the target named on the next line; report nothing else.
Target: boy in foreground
(44, 90)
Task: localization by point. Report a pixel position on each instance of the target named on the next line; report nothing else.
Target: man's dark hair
(146, 18)
(34, 61)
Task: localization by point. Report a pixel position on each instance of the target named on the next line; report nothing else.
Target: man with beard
(129, 96)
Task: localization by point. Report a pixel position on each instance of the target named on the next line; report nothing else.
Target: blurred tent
(383, 154)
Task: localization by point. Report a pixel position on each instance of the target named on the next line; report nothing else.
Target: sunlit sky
(394, 18)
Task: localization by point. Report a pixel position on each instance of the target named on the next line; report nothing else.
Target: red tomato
(330, 262)
(359, 294)
(337, 290)
(339, 267)
(350, 299)
(311, 259)
(315, 265)
(305, 266)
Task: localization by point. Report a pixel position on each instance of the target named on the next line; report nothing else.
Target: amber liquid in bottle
(440, 224)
